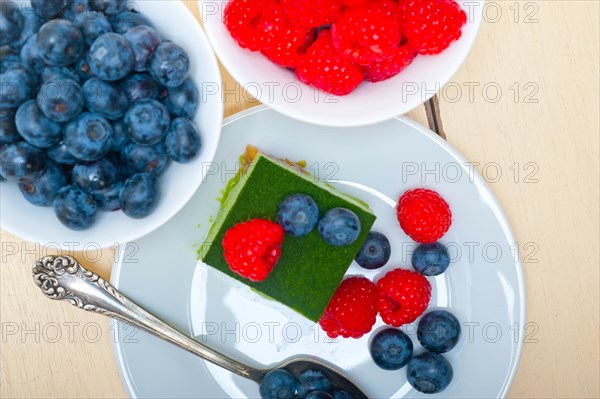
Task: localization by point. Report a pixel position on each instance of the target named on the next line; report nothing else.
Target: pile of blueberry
(438, 331)
(312, 384)
(298, 215)
(428, 372)
(93, 106)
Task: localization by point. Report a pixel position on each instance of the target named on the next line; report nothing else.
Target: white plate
(39, 224)
(484, 289)
(369, 103)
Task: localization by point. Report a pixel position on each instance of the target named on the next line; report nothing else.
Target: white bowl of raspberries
(105, 125)
(342, 62)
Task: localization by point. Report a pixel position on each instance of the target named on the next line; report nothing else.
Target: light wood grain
(557, 137)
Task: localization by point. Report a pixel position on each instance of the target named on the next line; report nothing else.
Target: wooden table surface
(525, 107)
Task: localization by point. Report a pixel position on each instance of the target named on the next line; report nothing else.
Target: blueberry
(143, 40)
(183, 100)
(49, 9)
(297, 214)
(75, 208)
(431, 259)
(147, 121)
(339, 227)
(51, 73)
(60, 100)
(169, 65)
(61, 154)
(15, 87)
(11, 22)
(111, 57)
(311, 381)
(139, 86)
(31, 56)
(21, 160)
(95, 177)
(105, 98)
(391, 349)
(9, 59)
(77, 8)
(139, 158)
(60, 42)
(140, 195)
(92, 25)
(35, 128)
(31, 25)
(122, 170)
(341, 395)
(109, 7)
(42, 190)
(318, 395)
(82, 67)
(429, 372)
(163, 92)
(108, 200)
(18, 84)
(120, 135)
(6, 112)
(183, 141)
(375, 251)
(88, 137)
(8, 129)
(126, 20)
(438, 331)
(68, 172)
(278, 384)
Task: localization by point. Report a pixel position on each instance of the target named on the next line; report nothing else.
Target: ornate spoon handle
(63, 278)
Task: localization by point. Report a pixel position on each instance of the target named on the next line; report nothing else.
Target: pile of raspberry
(334, 45)
(401, 295)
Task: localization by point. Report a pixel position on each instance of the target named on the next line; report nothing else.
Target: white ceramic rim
(116, 272)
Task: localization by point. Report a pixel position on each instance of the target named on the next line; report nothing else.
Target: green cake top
(309, 270)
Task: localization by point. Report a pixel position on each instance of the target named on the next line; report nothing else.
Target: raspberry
(357, 3)
(402, 296)
(324, 69)
(368, 34)
(383, 70)
(423, 215)
(254, 24)
(431, 25)
(311, 13)
(352, 311)
(253, 248)
(290, 46)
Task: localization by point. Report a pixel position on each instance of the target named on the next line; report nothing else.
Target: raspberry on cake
(253, 248)
(309, 269)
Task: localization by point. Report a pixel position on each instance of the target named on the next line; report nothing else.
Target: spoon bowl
(339, 382)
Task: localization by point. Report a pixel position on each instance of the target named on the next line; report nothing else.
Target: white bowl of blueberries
(105, 126)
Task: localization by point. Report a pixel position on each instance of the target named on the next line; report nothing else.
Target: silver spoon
(63, 278)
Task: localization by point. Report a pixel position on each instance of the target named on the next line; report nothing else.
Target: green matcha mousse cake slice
(309, 269)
